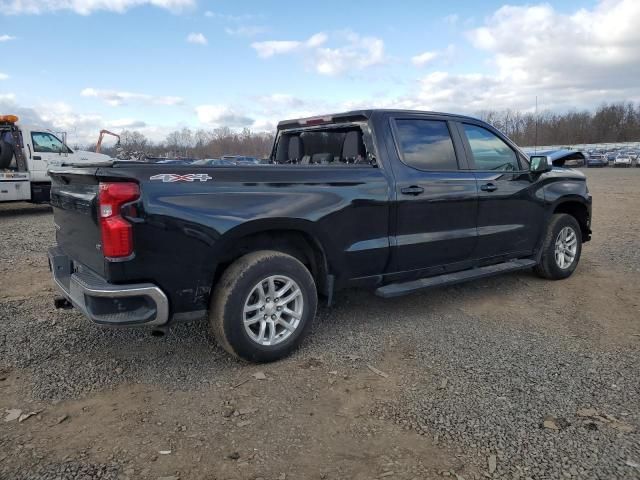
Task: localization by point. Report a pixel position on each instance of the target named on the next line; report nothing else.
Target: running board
(397, 289)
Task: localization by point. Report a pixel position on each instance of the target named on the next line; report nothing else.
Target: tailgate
(74, 198)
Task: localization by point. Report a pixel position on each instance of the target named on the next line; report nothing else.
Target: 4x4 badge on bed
(173, 177)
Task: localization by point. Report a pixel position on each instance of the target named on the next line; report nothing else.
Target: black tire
(6, 154)
(548, 267)
(226, 313)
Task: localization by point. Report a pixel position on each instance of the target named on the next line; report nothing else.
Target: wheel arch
(578, 210)
(294, 238)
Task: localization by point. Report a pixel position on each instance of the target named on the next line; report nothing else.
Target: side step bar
(397, 289)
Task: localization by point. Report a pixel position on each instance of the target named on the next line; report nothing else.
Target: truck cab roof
(362, 114)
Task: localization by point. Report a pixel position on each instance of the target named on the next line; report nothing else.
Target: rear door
(510, 214)
(436, 197)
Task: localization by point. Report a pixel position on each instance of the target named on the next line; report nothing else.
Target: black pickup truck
(395, 201)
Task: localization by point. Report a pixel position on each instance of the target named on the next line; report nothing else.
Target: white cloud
(270, 48)
(230, 18)
(239, 25)
(245, 30)
(222, 116)
(86, 7)
(424, 58)
(57, 116)
(115, 98)
(128, 123)
(452, 19)
(316, 40)
(356, 52)
(264, 125)
(587, 53)
(429, 57)
(269, 109)
(3, 76)
(197, 38)
(279, 100)
(82, 127)
(568, 60)
(6, 38)
(275, 47)
(359, 53)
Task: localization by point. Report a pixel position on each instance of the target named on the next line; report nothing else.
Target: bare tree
(616, 122)
(133, 140)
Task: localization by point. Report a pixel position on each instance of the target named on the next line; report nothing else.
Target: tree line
(608, 123)
(187, 143)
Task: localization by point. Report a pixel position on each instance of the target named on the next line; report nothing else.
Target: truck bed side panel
(187, 226)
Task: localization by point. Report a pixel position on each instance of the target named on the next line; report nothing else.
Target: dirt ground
(320, 414)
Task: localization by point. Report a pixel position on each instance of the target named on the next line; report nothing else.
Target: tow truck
(26, 153)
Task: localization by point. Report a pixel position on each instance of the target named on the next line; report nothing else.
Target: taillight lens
(117, 238)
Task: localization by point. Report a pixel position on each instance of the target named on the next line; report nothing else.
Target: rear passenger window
(335, 145)
(426, 144)
(489, 151)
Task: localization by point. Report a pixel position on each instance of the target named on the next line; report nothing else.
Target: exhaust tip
(159, 332)
(62, 302)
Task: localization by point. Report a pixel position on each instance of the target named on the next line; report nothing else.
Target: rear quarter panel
(186, 227)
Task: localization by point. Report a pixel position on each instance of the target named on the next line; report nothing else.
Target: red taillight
(117, 240)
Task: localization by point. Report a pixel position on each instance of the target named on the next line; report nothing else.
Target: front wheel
(263, 306)
(561, 248)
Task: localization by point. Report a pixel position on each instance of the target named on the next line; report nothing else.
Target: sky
(159, 65)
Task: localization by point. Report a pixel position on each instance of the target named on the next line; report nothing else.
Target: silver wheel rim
(273, 310)
(566, 247)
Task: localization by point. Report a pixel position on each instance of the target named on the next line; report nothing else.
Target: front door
(510, 212)
(48, 152)
(436, 198)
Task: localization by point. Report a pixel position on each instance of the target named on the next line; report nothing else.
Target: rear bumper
(105, 303)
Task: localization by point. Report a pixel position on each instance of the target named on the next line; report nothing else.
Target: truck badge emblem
(173, 177)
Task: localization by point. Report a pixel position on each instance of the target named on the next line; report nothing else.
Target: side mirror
(539, 164)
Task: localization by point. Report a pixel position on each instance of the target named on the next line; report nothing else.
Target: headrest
(353, 147)
(296, 149)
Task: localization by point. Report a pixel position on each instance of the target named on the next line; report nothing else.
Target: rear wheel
(561, 248)
(263, 306)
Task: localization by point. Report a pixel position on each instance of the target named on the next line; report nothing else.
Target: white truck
(26, 154)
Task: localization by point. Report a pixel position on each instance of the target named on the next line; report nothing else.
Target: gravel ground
(474, 371)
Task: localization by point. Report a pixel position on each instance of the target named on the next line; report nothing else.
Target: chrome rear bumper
(105, 303)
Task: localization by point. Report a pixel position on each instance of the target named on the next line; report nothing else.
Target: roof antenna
(535, 147)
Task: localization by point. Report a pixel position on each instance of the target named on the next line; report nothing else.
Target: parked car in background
(597, 160)
(622, 160)
(611, 156)
(241, 159)
(563, 157)
(231, 160)
(209, 162)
